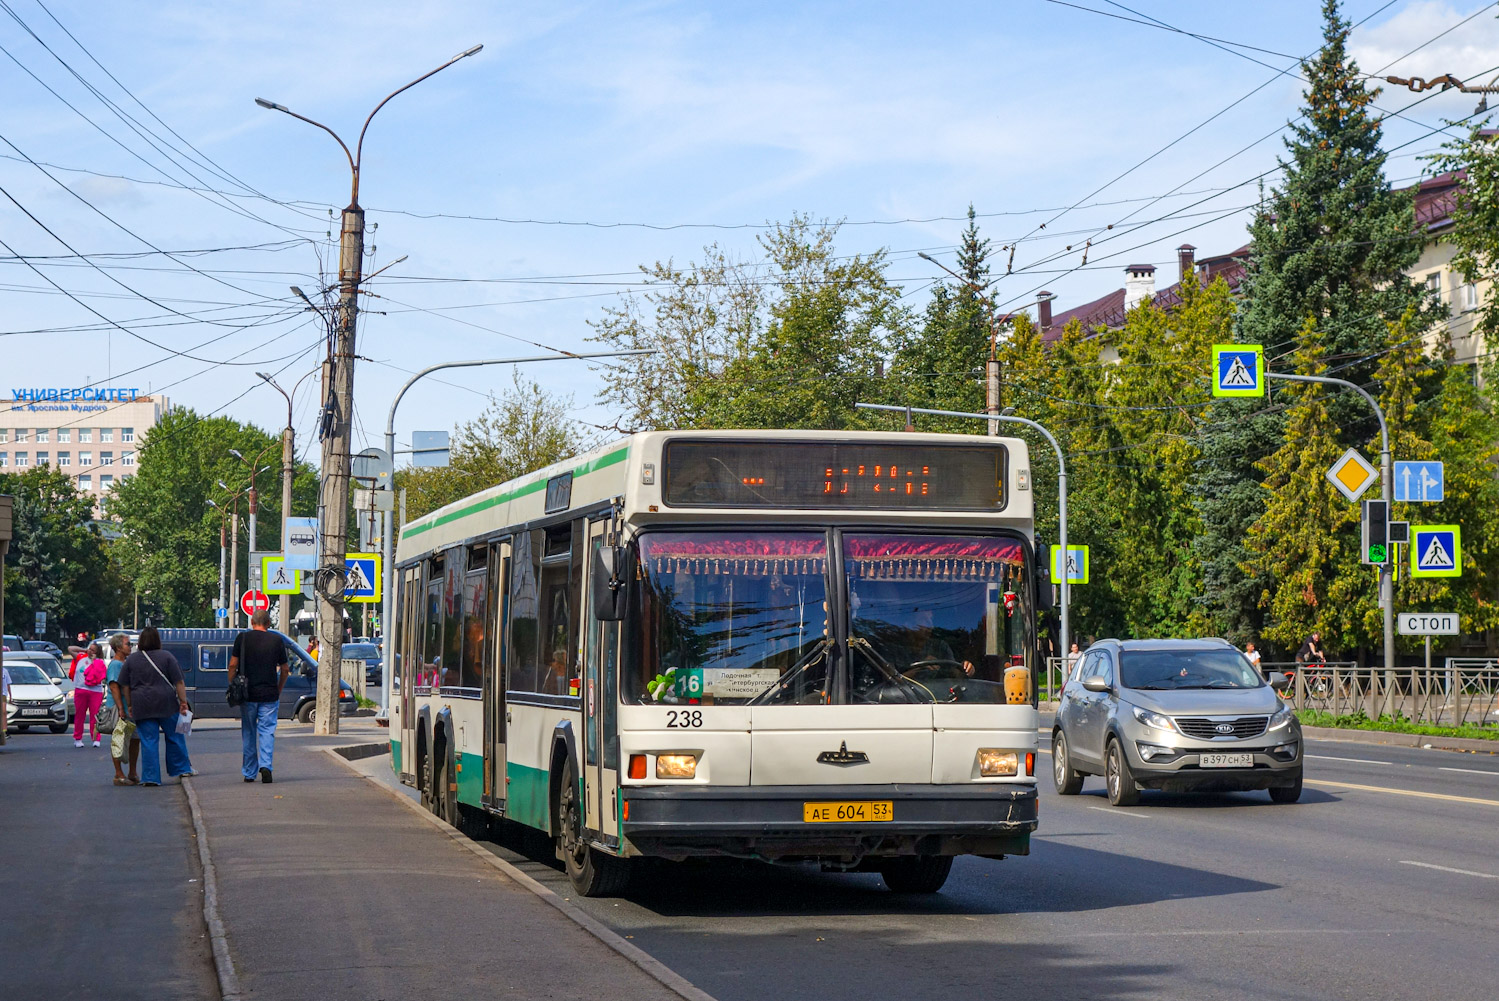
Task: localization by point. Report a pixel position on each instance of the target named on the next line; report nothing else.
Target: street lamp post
(338, 397)
(1063, 629)
(387, 541)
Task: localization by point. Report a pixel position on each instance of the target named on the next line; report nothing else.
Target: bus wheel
(442, 795)
(592, 872)
(916, 873)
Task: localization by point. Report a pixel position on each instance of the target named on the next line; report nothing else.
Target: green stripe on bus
(418, 527)
(395, 756)
(528, 796)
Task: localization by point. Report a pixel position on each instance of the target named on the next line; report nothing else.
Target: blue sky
(667, 114)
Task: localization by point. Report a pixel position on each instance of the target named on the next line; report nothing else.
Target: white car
(34, 699)
(55, 670)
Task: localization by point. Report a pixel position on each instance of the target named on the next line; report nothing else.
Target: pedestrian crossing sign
(1077, 564)
(276, 577)
(1238, 370)
(1436, 551)
(363, 581)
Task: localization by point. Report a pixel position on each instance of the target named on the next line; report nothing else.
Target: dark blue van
(204, 657)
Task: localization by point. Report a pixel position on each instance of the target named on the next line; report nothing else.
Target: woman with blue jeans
(155, 697)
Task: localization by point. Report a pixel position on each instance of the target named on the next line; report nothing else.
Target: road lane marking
(1474, 771)
(1362, 761)
(1448, 868)
(1118, 812)
(1403, 792)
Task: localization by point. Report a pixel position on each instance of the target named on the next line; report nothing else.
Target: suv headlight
(1281, 717)
(59, 701)
(1152, 719)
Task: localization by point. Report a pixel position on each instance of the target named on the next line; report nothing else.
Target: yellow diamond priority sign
(1352, 475)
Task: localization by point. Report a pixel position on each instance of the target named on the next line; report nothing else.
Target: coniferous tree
(1332, 242)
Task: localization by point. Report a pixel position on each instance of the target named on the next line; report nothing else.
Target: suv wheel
(1287, 794)
(1118, 778)
(1068, 782)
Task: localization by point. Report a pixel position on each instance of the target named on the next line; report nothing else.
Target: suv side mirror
(1279, 681)
(608, 587)
(1096, 683)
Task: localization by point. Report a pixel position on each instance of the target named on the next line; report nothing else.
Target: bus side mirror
(609, 589)
(1044, 601)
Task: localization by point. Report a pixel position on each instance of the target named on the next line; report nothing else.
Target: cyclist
(1311, 653)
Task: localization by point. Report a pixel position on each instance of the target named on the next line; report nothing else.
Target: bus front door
(600, 708)
(492, 794)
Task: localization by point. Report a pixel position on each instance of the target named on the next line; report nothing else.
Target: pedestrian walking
(261, 655)
(1073, 656)
(88, 693)
(124, 737)
(156, 698)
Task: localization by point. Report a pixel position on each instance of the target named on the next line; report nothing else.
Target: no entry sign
(253, 601)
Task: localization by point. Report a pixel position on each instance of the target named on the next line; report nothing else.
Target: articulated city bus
(777, 645)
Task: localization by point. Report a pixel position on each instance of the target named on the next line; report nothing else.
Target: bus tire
(442, 793)
(593, 873)
(915, 873)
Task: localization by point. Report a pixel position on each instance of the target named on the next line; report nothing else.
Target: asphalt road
(1383, 882)
(99, 883)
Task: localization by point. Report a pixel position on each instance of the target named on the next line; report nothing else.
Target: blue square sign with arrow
(1436, 551)
(1420, 482)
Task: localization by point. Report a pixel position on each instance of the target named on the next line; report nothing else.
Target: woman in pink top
(88, 693)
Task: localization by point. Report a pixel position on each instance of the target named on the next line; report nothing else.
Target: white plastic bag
(185, 722)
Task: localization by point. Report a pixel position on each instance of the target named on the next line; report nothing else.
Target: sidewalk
(329, 888)
(101, 893)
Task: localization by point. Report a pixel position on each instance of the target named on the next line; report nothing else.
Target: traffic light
(1375, 548)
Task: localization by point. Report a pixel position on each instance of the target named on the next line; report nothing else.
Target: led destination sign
(834, 475)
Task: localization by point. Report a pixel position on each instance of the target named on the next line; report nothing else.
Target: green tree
(1331, 241)
(169, 533)
(57, 562)
(793, 340)
(1306, 535)
(519, 431)
(941, 365)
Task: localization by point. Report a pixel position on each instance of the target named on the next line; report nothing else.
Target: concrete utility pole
(338, 404)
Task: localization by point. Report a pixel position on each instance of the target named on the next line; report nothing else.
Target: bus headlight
(994, 763)
(676, 766)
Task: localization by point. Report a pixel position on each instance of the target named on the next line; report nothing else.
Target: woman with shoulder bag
(112, 718)
(156, 699)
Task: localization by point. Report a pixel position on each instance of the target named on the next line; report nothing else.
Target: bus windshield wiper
(891, 674)
(780, 683)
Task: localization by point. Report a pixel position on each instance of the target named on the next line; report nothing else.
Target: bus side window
(558, 605)
(475, 607)
(524, 611)
(452, 611)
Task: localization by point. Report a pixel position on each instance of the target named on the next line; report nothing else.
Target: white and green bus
(777, 645)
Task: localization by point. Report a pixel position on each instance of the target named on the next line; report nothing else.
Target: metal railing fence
(1464, 691)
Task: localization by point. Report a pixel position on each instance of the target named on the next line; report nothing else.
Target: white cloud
(1463, 52)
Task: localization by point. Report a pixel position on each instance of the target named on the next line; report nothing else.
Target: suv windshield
(934, 618)
(730, 618)
(1164, 670)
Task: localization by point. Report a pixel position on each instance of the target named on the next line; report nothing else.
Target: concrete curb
(223, 963)
(646, 963)
(1401, 739)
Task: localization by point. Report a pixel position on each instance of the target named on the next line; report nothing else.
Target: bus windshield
(934, 618)
(730, 618)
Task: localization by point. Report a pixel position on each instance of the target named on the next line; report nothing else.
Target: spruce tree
(1331, 242)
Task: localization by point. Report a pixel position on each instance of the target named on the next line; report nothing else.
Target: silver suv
(1178, 715)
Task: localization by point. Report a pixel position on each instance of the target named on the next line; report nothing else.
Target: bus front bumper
(768, 822)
